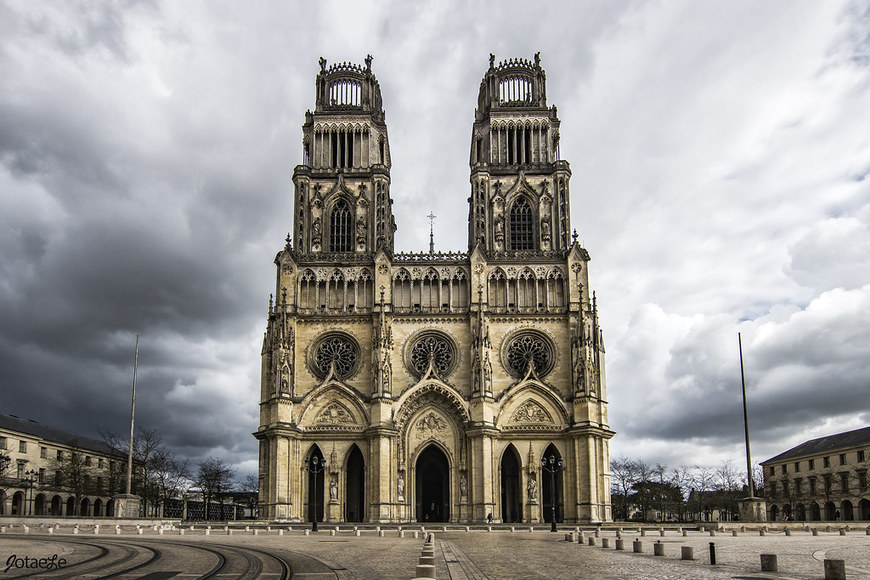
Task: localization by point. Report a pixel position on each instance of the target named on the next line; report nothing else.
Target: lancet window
(521, 225)
(341, 228)
(402, 291)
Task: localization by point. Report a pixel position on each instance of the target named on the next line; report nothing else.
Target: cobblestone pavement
(460, 554)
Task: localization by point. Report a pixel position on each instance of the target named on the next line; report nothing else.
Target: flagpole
(745, 421)
(132, 415)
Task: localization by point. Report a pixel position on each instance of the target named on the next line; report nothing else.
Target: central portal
(433, 486)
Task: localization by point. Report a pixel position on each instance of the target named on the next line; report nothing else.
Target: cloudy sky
(720, 155)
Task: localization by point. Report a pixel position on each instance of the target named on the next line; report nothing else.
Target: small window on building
(43, 452)
(59, 455)
(797, 466)
(842, 459)
(827, 484)
(772, 471)
(41, 475)
(844, 482)
(87, 461)
(22, 447)
(58, 479)
(100, 463)
(3, 443)
(862, 479)
(861, 456)
(784, 468)
(20, 471)
(826, 462)
(812, 485)
(797, 486)
(772, 489)
(812, 464)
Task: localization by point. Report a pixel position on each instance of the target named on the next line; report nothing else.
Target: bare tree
(215, 479)
(168, 475)
(74, 473)
(623, 475)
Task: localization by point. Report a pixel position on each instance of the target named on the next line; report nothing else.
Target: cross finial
(431, 217)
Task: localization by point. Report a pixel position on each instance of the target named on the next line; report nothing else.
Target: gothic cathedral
(433, 387)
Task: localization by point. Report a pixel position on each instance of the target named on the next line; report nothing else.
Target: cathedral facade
(433, 387)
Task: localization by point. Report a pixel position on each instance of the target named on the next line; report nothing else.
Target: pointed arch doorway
(511, 502)
(551, 489)
(315, 487)
(354, 500)
(432, 486)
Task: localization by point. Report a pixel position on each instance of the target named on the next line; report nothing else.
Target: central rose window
(435, 346)
(529, 347)
(338, 351)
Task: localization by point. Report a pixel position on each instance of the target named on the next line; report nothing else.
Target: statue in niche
(463, 486)
(491, 60)
(487, 373)
(533, 487)
(333, 490)
(499, 229)
(316, 230)
(361, 231)
(322, 62)
(400, 487)
(545, 229)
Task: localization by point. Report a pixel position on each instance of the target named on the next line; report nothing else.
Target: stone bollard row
(734, 533)
(426, 563)
(815, 532)
(787, 532)
(591, 540)
(658, 549)
(605, 543)
(637, 547)
(620, 544)
(685, 533)
(842, 532)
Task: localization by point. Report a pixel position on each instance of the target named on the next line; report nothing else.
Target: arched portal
(39, 505)
(800, 513)
(57, 506)
(815, 512)
(774, 513)
(511, 502)
(18, 504)
(846, 511)
(831, 511)
(110, 508)
(98, 508)
(315, 486)
(86, 507)
(354, 487)
(433, 486)
(71, 506)
(864, 509)
(552, 486)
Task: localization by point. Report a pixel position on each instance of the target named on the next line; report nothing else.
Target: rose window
(529, 347)
(433, 346)
(337, 351)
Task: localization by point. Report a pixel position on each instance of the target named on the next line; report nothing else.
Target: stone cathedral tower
(432, 384)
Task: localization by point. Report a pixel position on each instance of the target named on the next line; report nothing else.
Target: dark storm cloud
(145, 160)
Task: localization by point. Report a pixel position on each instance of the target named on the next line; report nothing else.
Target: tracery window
(402, 290)
(430, 290)
(529, 346)
(497, 290)
(435, 346)
(308, 291)
(338, 351)
(521, 225)
(341, 228)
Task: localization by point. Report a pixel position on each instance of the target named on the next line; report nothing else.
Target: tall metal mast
(745, 421)
(132, 415)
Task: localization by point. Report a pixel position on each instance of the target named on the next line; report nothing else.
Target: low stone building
(47, 471)
(821, 479)
(433, 384)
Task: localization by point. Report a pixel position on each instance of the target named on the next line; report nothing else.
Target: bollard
(401, 533)
(357, 533)
(381, 533)
(180, 531)
(247, 528)
(637, 546)
(712, 554)
(289, 528)
(642, 532)
(591, 540)
(662, 533)
(208, 532)
(768, 563)
(159, 532)
(331, 532)
(229, 532)
(307, 532)
(685, 533)
(761, 532)
(842, 532)
(619, 533)
(269, 528)
(50, 530)
(742, 529)
(827, 528)
(416, 534)
(426, 560)
(569, 537)
(815, 532)
(605, 543)
(513, 529)
(468, 528)
(597, 533)
(581, 538)
(835, 569)
(734, 533)
(787, 532)
(488, 528)
(620, 544)
(658, 549)
(425, 571)
(117, 530)
(26, 528)
(868, 530)
(257, 532)
(531, 528)
(443, 528)
(712, 532)
(687, 553)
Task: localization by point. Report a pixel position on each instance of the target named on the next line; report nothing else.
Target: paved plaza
(279, 552)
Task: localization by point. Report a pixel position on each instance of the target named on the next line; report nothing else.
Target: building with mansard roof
(429, 387)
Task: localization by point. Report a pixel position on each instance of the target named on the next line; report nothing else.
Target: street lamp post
(315, 466)
(29, 480)
(552, 466)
